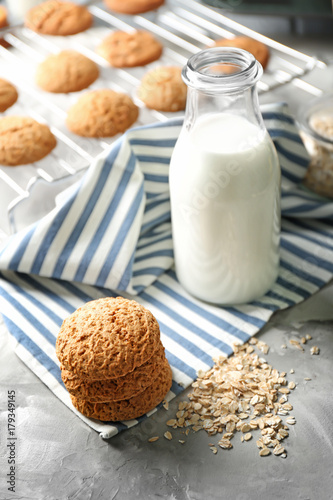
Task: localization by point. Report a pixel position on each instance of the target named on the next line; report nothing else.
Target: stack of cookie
(112, 360)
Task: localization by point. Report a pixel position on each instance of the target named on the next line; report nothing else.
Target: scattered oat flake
(291, 421)
(283, 346)
(264, 452)
(153, 439)
(181, 441)
(292, 371)
(303, 340)
(166, 405)
(314, 350)
(292, 385)
(307, 378)
(263, 347)
(296, 344)
(278, 450)
(214, 449)
(239, 393)
(225, 444)
(308, 337)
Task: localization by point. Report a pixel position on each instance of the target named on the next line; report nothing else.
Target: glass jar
(224, 183)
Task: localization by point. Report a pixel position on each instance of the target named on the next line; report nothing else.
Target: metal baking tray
(183, 26)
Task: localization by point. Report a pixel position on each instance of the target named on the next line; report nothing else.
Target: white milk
(225, 191)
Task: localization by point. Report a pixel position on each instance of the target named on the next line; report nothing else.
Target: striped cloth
(110, 234)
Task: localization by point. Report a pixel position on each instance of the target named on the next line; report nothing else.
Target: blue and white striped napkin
(110, 234)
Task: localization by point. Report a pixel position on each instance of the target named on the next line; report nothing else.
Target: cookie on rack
(258, 49)
(3, 24)
(67, 71)
(8, 95)
(133, 6)
(122, 49)
(102, 113)
(163, 89)
(131, 408)
(24, 140)
(107, 338)
(3, 17)
(116, 389)
(55, 17)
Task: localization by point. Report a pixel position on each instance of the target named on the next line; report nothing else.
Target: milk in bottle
(225, 184)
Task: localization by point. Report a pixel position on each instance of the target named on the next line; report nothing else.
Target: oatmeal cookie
(122, 49)
(24, 140)
(67, 71)
(129, 408)
(102, 113)
(107, 338)
(163, 89)
(8, 95)
(116, 389)
(133, 6)
(58, 18)
(258, 49)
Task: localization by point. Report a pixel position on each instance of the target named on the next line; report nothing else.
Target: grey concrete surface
(59, 457)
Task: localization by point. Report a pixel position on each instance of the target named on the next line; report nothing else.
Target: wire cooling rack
(183, 27)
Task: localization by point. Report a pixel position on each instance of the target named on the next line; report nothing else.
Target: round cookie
(163, 89)
(102, 113)
(67, 71)
(3, 24)
(258, 49)
(23, 140)
(3, 17)
(124, 50)
(107, 338)
(8, 95)
(133, 6)
(129, 408)
(54, 17)
(116, 389)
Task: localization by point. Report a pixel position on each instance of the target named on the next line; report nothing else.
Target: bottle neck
(222, 80)
(243, 104)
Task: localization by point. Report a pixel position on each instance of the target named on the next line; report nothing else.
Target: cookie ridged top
(133, 6)
(54, 17)
(163, 89)
(102, 113)
(257, 49)
(67, 71)
(8, 95)
(124, 49)
(116, 389)
(24, 140)
(107, 338)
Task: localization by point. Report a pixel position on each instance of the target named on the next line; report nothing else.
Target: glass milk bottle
(225, 183)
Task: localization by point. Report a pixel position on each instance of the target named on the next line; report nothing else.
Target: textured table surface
(59, 457)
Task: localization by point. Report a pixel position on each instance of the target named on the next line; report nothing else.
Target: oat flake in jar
(225, 183)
